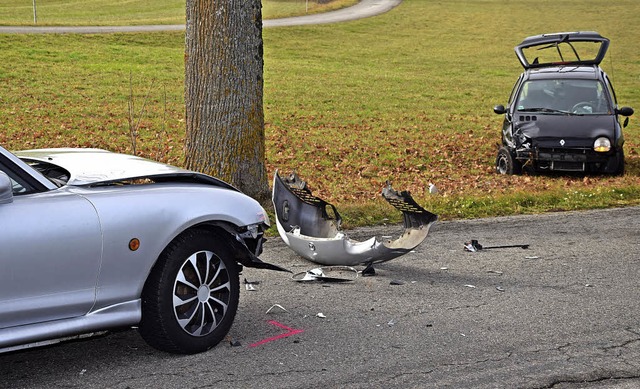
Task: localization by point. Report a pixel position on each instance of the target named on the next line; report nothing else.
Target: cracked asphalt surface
(561, 314)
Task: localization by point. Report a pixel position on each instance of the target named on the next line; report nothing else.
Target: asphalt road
(364, 9)
(563, 313)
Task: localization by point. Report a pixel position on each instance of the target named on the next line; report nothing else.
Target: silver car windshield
(566, 96)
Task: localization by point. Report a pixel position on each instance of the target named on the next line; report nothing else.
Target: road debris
(250, 285)
(276, 306)
(474, 246)
(327, 274)
(310, 226)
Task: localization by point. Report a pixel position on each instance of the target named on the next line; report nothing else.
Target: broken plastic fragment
(276, 306)
(321, 315)
(328, 274)
(311, 227)
(250, 287)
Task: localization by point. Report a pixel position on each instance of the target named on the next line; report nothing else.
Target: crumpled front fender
(311, 227)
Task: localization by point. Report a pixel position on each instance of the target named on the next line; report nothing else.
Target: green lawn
(134, 12)
(405, 96)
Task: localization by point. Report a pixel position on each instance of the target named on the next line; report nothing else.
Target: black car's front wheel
(506, 164)
(191, 296)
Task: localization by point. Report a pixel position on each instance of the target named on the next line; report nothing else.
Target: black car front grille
(566, 166)
(565, 159)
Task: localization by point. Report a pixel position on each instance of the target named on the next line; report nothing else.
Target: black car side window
(512, 96)
(612, 93)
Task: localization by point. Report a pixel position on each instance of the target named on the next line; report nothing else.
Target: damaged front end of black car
(562, 114)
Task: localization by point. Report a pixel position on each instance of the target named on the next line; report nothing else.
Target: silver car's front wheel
(201, 293)
(191, 296)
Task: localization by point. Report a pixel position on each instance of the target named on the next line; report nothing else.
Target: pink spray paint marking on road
(290, 331)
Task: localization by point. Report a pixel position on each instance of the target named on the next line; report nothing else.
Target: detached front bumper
(311, 227)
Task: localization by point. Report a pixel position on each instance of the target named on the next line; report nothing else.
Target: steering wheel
(583, 107)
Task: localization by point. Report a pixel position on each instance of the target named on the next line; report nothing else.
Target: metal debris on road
(250, 285)
(327, 274)
(474, 246)
(276, 306)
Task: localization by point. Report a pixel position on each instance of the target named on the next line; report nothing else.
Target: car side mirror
(499, 109)
(6, 189)
(625, 111)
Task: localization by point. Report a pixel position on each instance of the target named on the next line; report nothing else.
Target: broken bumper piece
(311, 227)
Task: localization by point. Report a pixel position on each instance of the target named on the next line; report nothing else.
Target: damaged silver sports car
(311, 227)
(92, 240)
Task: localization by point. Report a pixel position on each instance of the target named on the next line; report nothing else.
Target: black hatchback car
(562, 114)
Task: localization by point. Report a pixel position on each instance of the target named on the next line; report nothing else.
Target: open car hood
(561, 49)
(311, 227)
(97, 166)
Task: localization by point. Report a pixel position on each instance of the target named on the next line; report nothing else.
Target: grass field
(134, 12)
(405, 96)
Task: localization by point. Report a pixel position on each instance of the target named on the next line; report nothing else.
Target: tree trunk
(223, 93)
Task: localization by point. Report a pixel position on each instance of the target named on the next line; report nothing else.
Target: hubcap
(502, 165)
(201, 293)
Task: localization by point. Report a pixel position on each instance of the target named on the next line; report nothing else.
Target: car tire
(506, 164)
(190, 298)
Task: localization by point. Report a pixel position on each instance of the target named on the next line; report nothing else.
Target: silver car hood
(94, 166)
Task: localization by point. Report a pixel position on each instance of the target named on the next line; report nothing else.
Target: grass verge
(136, 12)
(405, 96)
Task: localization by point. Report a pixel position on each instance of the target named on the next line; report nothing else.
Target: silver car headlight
(602, 145)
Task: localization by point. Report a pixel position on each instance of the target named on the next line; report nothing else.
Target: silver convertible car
(92, 240)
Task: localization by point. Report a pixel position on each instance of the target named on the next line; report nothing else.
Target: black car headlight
(602, 145)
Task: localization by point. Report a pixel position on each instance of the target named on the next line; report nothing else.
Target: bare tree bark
(223, 93)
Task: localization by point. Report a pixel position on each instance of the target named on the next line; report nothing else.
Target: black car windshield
(565, 96)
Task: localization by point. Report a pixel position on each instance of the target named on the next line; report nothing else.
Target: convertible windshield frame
(22, 175)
